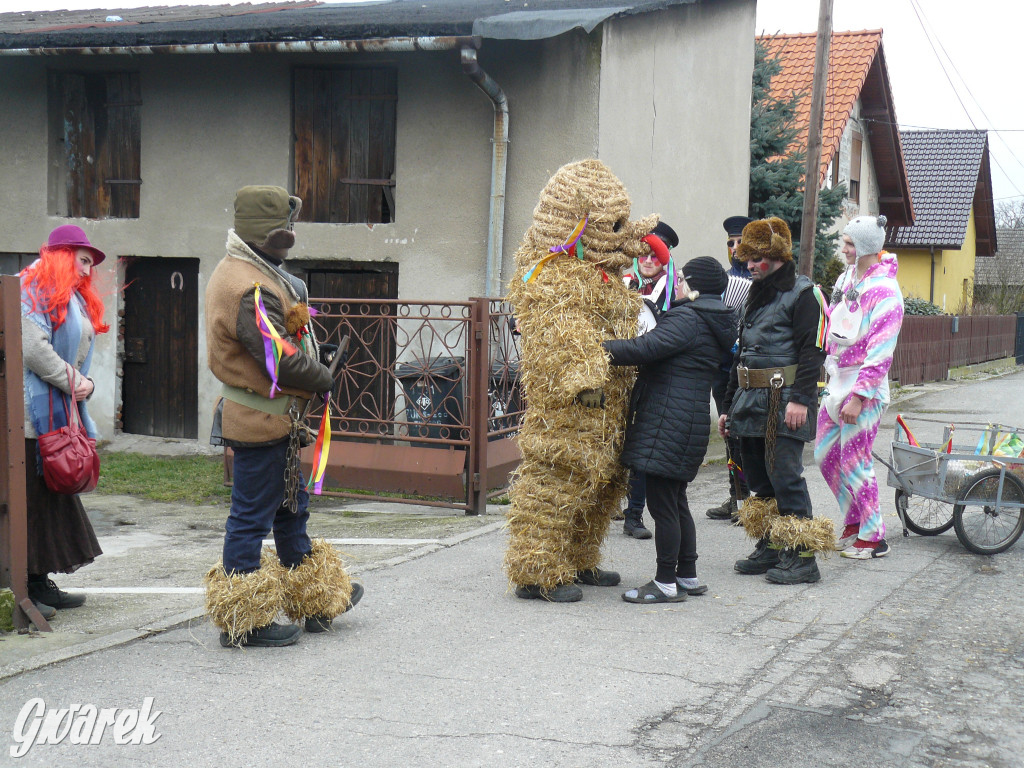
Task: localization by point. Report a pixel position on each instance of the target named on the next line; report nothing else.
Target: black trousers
(675, 536)
(785, 481)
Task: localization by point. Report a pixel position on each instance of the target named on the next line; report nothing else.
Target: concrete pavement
(913, 660)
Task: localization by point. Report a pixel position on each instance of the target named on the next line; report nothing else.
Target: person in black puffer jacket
(670, 418)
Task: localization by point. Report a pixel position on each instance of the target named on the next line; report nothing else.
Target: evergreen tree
(777, 167)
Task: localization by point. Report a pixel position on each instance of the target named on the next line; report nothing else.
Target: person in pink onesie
(866, 312)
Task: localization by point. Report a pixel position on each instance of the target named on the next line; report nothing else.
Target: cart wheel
(924, 516)
(978, 526)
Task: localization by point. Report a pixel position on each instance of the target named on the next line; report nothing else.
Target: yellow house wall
(952, 268)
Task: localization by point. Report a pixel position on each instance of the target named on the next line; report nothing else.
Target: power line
(968, 87)
(942, 66)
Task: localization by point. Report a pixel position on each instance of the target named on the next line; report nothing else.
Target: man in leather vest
(771, 405)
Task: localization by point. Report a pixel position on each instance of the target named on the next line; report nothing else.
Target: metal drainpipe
(499, 167)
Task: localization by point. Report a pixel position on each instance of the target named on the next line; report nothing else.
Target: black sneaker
(634, 526)
(46, 592)
(273, 635)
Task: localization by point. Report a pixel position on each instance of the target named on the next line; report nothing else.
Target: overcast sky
(978, 42)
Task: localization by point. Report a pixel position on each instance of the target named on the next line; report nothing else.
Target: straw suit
(568, 298)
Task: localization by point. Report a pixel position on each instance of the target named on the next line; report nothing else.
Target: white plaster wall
(675, 116)
(552, 90)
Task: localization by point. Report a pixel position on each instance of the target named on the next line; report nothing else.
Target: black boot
(724, 511)
(42, 590)
(273, 635)
(796, 566)
(323, 623)
(563, 593)
(595, 577)
(634, 525)
(760, 560)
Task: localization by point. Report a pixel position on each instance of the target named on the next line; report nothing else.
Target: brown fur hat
(766, 239)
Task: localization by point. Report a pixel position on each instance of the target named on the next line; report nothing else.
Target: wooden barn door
(366, 391)
(159, 390)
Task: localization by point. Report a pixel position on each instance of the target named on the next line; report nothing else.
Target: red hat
(70, 236)
(658, 248)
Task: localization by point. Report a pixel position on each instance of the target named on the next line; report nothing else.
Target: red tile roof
(850, 58)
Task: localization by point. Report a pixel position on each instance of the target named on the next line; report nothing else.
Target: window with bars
(98, 130)
(344, 150)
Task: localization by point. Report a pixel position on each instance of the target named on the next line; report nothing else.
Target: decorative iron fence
(428, 402)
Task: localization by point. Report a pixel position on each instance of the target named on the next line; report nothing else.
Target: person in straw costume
(568, 298)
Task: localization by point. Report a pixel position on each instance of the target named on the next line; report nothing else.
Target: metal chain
(771, 426)
(293, 462)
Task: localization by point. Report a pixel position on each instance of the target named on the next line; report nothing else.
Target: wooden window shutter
(344, 152)
(855, 152)
(102, 142)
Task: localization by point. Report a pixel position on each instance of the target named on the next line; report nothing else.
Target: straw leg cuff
(318, 586)
(809, 534)
(757, 515)
(240, 603)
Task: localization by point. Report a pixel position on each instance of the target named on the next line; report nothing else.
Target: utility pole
(811, 173)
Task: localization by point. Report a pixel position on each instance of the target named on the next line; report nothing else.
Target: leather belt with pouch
(764, 378)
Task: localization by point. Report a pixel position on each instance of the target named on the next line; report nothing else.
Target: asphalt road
(913, 660)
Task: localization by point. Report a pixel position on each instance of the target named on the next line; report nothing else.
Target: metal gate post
(478, 371)
(13, 513)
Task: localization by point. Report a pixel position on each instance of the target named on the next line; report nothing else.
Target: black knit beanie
(706, 275)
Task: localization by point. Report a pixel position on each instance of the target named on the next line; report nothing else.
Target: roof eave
(895, 202)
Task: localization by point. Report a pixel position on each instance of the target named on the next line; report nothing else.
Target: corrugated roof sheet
(1007, 266)
(274, 22)
(944, 167)
(850, 57)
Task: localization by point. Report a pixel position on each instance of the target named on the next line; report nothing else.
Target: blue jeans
(637, 493)
(257, 498)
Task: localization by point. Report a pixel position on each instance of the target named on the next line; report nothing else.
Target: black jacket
(747, 418)
(670, 409)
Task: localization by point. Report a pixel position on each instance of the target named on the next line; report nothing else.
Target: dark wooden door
(159, 389)
(366, 394)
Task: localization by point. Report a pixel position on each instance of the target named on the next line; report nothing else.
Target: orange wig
(54, 279)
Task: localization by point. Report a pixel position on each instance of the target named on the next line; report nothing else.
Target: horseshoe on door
(181, 281)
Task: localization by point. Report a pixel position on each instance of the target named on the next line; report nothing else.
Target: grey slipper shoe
(651, 593)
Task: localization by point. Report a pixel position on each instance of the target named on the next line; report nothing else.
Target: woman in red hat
(61, 314)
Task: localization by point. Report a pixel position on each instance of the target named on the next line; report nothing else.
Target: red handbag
(70, 461)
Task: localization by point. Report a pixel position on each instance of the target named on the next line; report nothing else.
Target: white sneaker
(869, 551)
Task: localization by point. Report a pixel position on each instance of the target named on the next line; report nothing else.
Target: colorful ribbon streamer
(321, 450)
(670, 283)
(906, 430)
(571, 244)
(823, 318)
(274, 346)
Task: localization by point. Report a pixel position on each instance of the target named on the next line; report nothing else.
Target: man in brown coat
(257, 416)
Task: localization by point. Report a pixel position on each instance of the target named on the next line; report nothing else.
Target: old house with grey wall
(389, 119)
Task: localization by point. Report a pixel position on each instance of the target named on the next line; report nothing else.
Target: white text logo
(82, 724)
